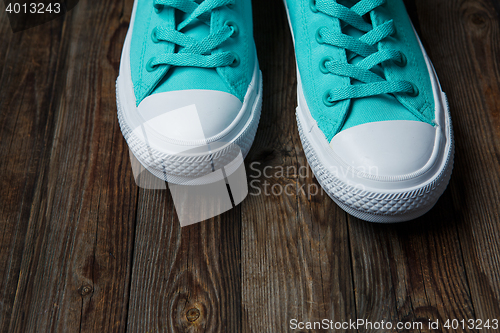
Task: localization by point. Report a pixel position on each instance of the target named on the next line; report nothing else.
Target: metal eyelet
(158, 8)
(402, 62)
(312, 5)
(318, 36)
(322, 65)
(150, 67)
(415, 91)
(326, 100)
(234, 27)
(236, 61)
(154, 38)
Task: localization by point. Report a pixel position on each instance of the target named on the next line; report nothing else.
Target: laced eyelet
(236, 61)
(326, 101)
(415, 91)
(318, 36)
(150, 67)
(154, 38)
(322, 65)
(158, 8)
(312, 5)
(230, 5)
(402, 62)
(234, 27)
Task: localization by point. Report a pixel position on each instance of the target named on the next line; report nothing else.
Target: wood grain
(5, 38)
(296, 260)
(77, 242)
(184, 280)
(28, 67)
(403, 273)
(464, 38)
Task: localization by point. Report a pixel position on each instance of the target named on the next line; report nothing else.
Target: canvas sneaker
(189, 91)
(372, 117)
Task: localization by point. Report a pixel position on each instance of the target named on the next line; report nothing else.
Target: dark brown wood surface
(82, 248)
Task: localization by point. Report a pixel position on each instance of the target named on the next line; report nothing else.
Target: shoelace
(365, 47)
(195, 53)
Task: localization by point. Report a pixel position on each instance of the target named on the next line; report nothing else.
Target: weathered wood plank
(403, 273)
(28, 69)
(295, 253)
(6, 35)
(420, 265)
(77, 250)
(465, 40)
(184, 279)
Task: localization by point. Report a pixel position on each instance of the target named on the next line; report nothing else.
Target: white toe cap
(189, 115)
(387, 148)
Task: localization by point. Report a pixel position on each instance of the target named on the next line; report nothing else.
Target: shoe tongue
(196, 29)
(184, 78)
(353, 32)
(373, 108)
(347, 3)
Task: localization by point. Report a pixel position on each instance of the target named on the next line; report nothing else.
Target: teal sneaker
(372, 117)
(189, 89)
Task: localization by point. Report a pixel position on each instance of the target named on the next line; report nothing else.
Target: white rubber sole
(186, 167)
(381, 206)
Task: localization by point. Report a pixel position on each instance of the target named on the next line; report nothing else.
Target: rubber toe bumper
(387, 148)
(189, 116)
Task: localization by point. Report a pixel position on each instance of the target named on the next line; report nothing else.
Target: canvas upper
(183, 45)
(360, 62)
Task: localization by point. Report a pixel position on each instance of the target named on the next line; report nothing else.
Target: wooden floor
(82, 248)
